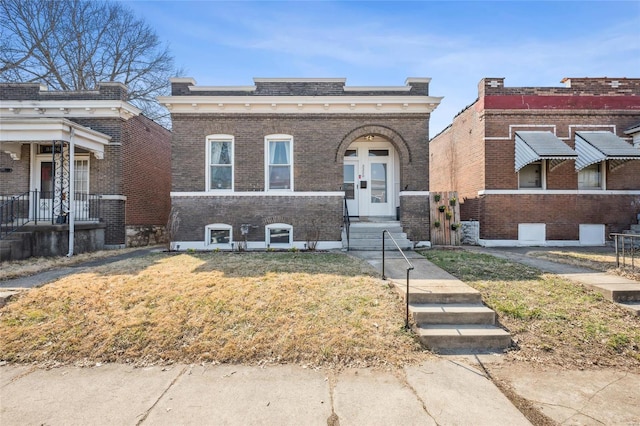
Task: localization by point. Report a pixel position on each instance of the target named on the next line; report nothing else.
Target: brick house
(274, 164)
(544, 165)
(120, 163)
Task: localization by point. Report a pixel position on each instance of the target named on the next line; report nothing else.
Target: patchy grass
(24, 268)
(552, 320)
(604, 261)
(313, 309)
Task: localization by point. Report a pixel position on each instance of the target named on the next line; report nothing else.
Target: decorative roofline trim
(300, 104)
(67, 108)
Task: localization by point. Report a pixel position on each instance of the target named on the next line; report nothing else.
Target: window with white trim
(531, 176)
(219, 173)
(590, 177)
(218, 235)
(279, 162)
(279, 235)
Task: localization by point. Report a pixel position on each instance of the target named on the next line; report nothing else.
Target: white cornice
(417, 80)
(68, 108)
(31, 130)
(214, 194)
(300, 104)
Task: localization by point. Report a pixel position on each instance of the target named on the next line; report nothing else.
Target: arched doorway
(371, 177)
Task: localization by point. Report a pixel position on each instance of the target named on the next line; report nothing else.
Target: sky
(380, 43)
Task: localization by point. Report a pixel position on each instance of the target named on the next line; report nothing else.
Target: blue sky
(456, 43)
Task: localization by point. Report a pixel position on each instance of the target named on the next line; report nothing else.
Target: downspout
(72, 184)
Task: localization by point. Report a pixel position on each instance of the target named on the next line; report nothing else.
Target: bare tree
(75, 44)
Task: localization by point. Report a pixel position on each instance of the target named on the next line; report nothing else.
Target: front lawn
(315, 309)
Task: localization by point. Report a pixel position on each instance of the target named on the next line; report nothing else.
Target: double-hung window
(531, 176)
(219, 162)
(590, 177)
(279, 162)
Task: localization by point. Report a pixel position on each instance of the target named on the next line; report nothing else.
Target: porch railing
(12, 213)
(41, 207)
(626, 245)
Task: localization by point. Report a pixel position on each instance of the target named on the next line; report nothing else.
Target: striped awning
(534, 146)
(595, 147)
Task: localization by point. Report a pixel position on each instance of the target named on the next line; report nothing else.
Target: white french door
(369, 179)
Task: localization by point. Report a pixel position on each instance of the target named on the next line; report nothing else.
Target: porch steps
(448, 315)
(368, 236)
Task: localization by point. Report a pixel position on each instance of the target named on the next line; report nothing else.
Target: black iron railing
(626, 245)
(346, 221)
(14, 213)
(39, 207)
(409, 269)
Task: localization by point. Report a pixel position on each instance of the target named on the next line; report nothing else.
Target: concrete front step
(435, 296)
(452, 313)
(456, 337)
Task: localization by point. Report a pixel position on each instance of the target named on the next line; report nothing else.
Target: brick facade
(321, 135)
(133, 174)
(476, 155)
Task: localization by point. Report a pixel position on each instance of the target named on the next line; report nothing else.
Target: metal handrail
(621, 248)
(12, 216)
(409, 269)
(346, 221)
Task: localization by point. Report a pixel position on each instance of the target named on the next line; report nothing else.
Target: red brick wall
(501, 214)
(500, 113)
(457, 161)
(146, 149)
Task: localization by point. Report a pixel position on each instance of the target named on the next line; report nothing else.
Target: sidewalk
(439, 392)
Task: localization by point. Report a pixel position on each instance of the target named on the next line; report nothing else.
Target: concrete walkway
(439, 392)
(624, 291)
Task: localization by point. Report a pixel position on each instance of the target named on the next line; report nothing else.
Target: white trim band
(271, 193)
(415, 193)
(557, 192)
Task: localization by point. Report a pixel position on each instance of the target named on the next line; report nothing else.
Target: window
(219, 162)
(279, 162)
(279, 235)
(530, 176)
(81, 175)
(218, 235)
(590, 177)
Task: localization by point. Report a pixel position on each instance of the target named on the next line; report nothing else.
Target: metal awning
(16, 131)
(534, 146)
(595, 147)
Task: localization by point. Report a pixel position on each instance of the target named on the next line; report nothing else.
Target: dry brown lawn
(23, 268)
(316, 309)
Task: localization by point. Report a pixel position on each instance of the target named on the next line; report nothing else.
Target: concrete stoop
(456, 321)
(367, 236)
(448, 315)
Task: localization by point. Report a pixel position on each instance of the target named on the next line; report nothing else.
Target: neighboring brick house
(544, 165)
(121, 167)
(282, 157)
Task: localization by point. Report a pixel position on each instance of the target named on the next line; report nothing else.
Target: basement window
(279, 235)
(218, 235)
